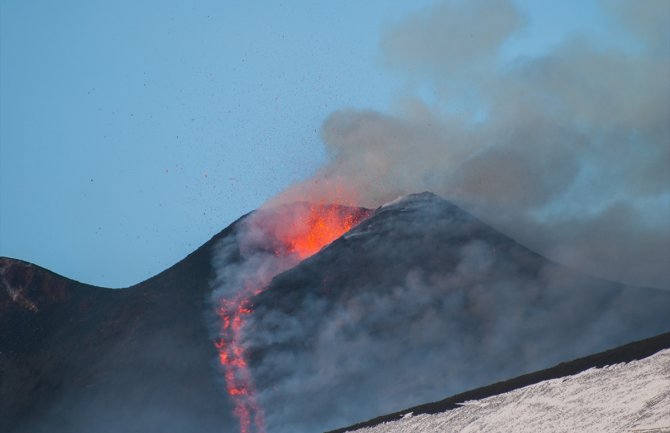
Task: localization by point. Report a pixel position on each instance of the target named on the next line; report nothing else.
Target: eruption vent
(270, 242)
(306, 234)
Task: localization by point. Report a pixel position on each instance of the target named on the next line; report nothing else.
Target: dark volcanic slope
(78, 358)
(423, 300)
(626, 353)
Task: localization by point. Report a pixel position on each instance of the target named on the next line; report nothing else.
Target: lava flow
(308, 232)
(295, 232)
(239, 384)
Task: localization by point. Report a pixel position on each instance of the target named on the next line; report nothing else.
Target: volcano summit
(414, 301)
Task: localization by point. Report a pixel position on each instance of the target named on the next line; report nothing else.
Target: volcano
(416, 301)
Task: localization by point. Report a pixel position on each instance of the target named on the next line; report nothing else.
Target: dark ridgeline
(419, 301)
(90, 359)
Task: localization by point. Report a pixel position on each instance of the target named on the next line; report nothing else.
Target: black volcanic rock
(419, 301)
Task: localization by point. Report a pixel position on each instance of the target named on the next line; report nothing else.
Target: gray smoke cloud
(568, 152)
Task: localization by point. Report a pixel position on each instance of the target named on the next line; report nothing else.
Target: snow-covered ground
(632, 397)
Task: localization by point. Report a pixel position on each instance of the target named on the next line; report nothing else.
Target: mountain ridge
(420, 285)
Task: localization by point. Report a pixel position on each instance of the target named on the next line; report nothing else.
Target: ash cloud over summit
(568, 151)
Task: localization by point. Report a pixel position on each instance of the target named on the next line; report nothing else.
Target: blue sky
(132, 132)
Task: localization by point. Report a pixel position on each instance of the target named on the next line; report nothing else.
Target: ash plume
(568, 151)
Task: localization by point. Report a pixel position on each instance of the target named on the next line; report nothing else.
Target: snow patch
(400, 199)
(632, 397)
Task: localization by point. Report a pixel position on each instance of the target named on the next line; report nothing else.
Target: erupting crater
(293, 233)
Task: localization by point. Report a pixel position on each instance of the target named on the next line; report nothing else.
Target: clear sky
(133, 131)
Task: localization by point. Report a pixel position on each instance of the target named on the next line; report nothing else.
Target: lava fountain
(282, 238)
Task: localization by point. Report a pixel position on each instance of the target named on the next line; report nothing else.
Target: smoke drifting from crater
(569, 152)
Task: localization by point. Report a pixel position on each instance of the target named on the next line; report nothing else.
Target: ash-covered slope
(419, 301)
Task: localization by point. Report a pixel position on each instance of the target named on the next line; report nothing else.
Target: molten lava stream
(239, 383)
(301, 234)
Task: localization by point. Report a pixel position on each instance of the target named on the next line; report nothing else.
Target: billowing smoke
(568, 152)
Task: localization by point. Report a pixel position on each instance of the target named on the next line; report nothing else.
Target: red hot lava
(308, 232)
(300, 233)
(238, 379)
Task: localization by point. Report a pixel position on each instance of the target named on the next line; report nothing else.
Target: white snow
(632, 397)
(396, 200)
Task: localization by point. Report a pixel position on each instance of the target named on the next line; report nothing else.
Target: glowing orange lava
(238, 379)
(301, 233)
(310, 231)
